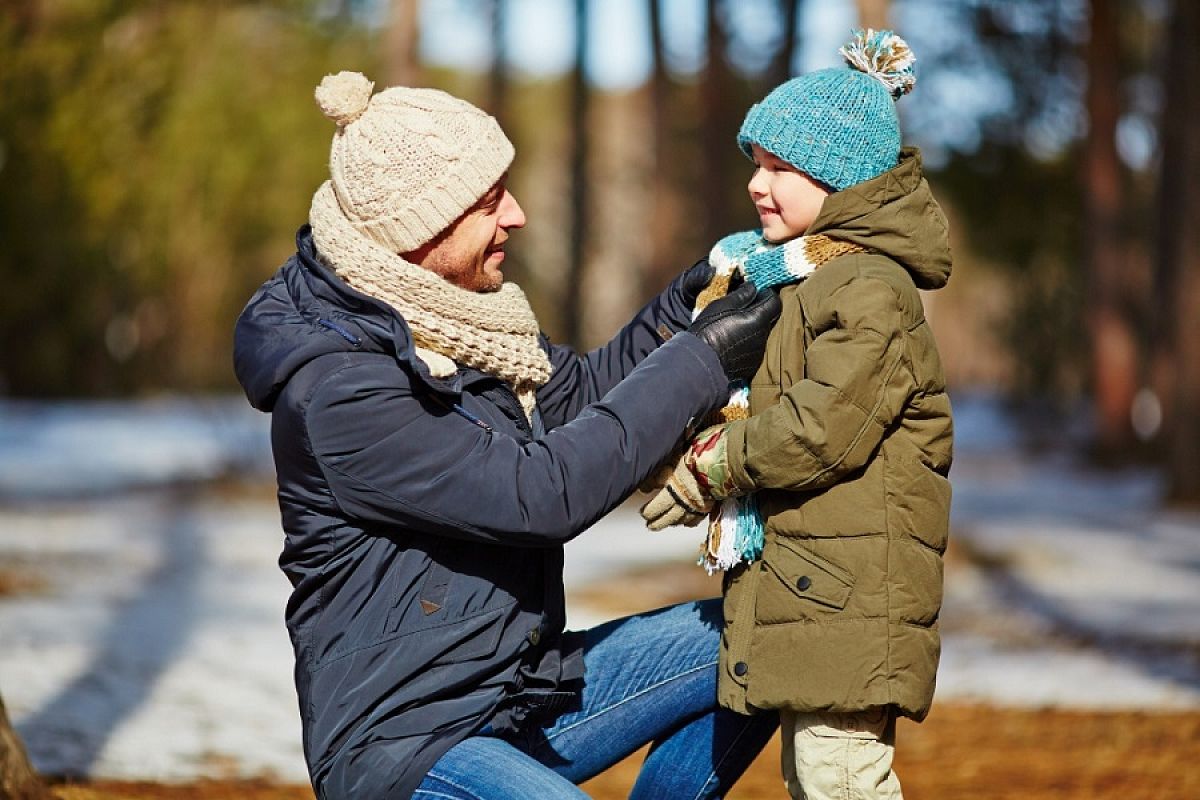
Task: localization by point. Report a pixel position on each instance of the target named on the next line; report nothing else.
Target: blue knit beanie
(838, 125)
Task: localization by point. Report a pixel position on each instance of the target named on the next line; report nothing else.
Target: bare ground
(961, 751)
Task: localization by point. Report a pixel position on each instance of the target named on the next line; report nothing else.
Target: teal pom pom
(885, 57)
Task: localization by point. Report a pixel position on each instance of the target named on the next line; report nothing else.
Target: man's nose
(511, 213)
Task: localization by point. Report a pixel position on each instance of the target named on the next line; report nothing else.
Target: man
(434, 452)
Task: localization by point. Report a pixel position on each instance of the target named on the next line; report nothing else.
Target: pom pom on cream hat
(405, 163)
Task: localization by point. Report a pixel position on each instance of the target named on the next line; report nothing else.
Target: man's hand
(693, 280)
(737, 326)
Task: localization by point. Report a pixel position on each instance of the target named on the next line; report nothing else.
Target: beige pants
(839, 756)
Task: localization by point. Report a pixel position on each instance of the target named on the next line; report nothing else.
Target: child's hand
(659, 476)
(680, 502)
(698, 480)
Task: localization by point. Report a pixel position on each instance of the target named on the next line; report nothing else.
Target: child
(830, 467)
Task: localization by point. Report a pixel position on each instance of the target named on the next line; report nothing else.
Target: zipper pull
(468, 415)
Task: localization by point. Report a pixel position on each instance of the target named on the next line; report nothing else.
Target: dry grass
(20, 581)
(959, 752)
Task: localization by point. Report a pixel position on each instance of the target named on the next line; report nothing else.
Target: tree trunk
(664, 225)
(1114, 346)
(18, 781)
(498, 75)
(401, 60)
(1178, 284)
(781, 67)
(715, 135)
(579, 189)
(874, 13)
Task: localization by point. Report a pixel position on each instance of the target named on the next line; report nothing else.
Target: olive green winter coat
(848, 447)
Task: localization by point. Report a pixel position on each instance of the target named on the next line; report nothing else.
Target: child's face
(787, 200)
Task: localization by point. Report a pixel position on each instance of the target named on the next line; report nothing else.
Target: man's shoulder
(345, 377)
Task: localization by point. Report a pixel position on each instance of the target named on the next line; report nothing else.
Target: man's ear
(419, 255)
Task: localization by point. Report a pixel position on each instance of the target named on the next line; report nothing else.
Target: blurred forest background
(157, 156)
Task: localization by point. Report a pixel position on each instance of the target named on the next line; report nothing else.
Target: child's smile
(787, 200)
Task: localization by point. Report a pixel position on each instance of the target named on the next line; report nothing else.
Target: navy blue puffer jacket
(424, 518)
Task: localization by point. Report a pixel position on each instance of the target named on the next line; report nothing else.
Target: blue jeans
(651, 678)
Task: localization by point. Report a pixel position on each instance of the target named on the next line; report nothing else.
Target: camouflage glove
(698, 481)
(680, 502)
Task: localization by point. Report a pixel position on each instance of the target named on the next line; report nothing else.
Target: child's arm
(857, 384)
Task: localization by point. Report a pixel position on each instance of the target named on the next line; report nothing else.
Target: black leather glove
(693, 280)
(737, 326)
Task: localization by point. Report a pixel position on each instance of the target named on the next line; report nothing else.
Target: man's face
(470, 253)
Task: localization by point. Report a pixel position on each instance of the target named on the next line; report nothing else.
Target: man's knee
(700, 618)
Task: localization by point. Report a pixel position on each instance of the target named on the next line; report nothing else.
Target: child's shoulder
(860, 285)
(856, 267)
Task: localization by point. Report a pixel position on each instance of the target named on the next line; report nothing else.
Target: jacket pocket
(469, 639)
(812, 587)
(427, 607)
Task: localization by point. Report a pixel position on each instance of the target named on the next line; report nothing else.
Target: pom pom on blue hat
(838, 126)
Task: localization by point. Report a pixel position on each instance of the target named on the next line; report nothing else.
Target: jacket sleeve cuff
(735, 453)
(714, 373)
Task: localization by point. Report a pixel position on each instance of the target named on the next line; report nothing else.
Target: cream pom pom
(885, 57)
(343, 97)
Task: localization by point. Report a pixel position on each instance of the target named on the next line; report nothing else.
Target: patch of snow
(980, 669)
(72, 449)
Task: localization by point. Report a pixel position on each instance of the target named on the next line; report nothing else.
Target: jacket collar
(375, 325)
(895, 214)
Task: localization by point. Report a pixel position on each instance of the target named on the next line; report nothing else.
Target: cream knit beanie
(406, 163)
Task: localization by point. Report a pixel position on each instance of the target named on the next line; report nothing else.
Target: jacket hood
(305, 311)
(894, 214)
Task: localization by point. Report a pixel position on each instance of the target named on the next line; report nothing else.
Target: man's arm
(390, 457)
(578, 380)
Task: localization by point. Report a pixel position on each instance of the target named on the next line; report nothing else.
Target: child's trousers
(840, 756)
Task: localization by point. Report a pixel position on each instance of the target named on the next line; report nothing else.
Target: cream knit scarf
(494, 332)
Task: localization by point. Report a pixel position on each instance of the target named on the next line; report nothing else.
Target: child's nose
(757, 184)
